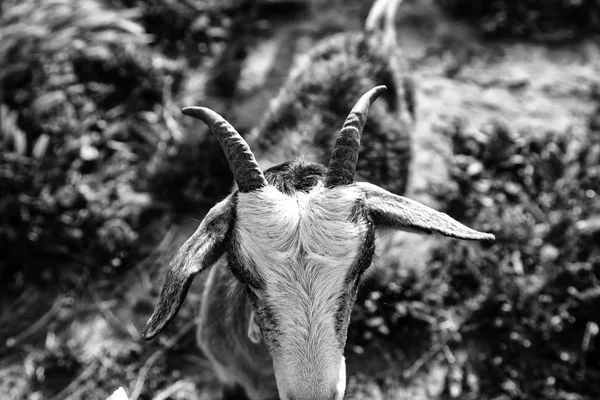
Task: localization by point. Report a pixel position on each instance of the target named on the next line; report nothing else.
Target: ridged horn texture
(246, 171)
(342, 165)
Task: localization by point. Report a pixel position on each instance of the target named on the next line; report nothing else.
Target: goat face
(300, 256)
(298, 238)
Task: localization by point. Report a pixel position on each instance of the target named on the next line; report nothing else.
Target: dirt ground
(85, 345)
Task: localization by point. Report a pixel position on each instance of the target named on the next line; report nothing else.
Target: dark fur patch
(243, 273)
(351, 282)
(365, 256)
(295, 176)
(267, 321)
(358, 211)
(251, 282)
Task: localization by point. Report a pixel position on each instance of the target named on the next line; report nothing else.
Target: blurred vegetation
(522, 306)
(539, 194)
(535, 19)
(88, 131)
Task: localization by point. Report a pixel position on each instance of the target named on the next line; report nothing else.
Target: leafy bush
(527, 300)
(190, 28)
(82, 110)
(540, 195)
(538, 19)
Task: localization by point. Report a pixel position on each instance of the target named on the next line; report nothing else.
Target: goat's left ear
(200, 251)
(396, 212)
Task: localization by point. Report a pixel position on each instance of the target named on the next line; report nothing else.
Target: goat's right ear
(396, 212)
(200, 251)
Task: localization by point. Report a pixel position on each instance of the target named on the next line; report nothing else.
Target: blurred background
(101, 180)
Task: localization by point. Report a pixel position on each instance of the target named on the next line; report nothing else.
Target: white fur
(302, 246)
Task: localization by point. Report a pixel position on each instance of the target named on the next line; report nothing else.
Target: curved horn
(342, 164)
(246, 171)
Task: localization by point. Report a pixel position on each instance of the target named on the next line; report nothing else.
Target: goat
(291, 244)
(320, 90)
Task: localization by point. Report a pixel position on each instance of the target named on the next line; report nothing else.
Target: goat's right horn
(342, 165)
(246, 171)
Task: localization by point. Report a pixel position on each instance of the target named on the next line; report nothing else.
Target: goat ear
(396, 212)
(200, 251)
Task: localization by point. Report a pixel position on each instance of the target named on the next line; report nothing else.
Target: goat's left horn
(246, 171)
(342, 164)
